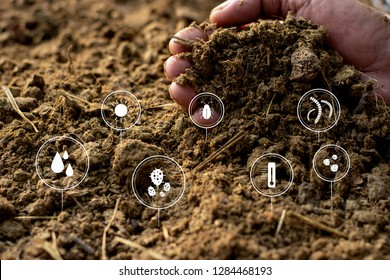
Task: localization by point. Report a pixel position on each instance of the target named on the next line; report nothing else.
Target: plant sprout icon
(157, 177)
(57, 165)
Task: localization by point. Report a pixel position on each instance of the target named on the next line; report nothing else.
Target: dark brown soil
(60, 59)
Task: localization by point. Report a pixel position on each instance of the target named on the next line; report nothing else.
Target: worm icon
(319, 109)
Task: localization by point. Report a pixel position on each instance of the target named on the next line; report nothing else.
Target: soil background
(61, 58)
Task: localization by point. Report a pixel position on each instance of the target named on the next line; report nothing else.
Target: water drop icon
(69, 171)
(57, 165)
(65, 156)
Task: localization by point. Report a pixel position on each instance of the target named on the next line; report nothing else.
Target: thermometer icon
(271, 175)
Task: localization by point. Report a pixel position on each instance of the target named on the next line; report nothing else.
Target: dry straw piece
(131, 244)
(104, 238)
(16, 107)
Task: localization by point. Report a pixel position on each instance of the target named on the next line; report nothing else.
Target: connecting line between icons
(331, 196)
(120, 110)
(62, 200)
(120, 137)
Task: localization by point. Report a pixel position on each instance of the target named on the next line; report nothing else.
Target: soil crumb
(60, 59)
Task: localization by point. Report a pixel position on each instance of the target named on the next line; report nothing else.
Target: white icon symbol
(331, 163)
(157, 177)
(69, 171)
(53, 164)
(152, 184)
(57, 165)
(167, 187)
(271, 175)
(151, 191)
(202, 116)
(319, 110)
(264, 178)
(207, 112)
(318, 104)
(121, 110)
(334, 167)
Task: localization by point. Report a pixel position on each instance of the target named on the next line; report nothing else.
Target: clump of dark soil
(61, 61)
(260, 74)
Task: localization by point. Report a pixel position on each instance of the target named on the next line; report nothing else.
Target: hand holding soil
(59, 61)
(359, 33)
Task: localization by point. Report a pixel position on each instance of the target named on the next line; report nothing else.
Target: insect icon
(206, 112)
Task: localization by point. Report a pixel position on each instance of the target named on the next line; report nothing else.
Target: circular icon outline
(55, 139)
(254, 183)
(338, 112)
(324, 178)
(102, 110)
(191, 109)
(133, 185)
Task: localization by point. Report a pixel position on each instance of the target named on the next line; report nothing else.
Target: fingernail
(165, 69)
(221, 6)
(170, 47)
(170, 91)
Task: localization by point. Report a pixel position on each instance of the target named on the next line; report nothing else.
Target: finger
(174, 66)
(182, 95)
(189, 33)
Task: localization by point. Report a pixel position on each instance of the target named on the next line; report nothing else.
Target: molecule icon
(333, 167)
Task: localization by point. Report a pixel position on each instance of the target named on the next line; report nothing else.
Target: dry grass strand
(131, 244)
(104, 238)
(16, 107)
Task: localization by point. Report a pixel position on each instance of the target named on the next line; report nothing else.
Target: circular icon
(62, 163)
(206, 110)
(318, 110)
(121, 110)
(331, 163)
(158, 182)
(271, 175)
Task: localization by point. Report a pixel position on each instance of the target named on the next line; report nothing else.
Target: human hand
(359, 33)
